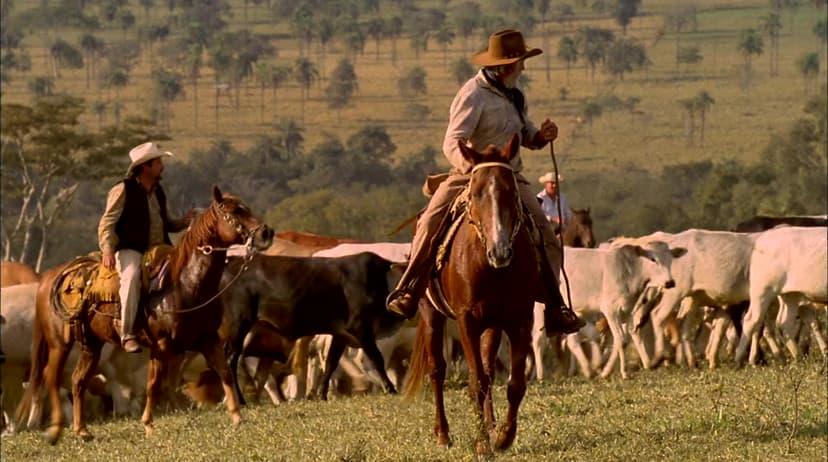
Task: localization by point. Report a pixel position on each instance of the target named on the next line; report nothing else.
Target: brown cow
(315, 241)
(13, 273)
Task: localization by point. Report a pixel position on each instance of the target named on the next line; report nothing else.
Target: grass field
(765, 414)
(738, 126)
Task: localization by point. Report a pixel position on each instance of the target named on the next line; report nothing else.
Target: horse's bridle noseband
(518, 204)
(247, 233)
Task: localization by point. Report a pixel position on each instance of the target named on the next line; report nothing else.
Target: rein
(477, 225)
(208, 249)
(249, 256)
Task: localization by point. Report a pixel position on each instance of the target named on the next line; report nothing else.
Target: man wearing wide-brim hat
(135, 219)
(552, 199)
(489, 109)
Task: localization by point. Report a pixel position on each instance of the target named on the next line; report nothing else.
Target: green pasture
(773, 413)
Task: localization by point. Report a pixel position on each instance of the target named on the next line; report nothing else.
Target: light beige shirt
(108, 238)
(481, 115)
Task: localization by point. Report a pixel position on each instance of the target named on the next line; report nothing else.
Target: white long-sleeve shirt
(481, 115)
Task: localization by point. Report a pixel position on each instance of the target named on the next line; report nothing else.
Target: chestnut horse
(184, 316)
(488, 284)
(578, 231)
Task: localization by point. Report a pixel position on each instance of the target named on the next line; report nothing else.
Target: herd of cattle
(309, 314)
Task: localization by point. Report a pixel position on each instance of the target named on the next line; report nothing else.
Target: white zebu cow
(610, 281)
(790, 264)
(714, 272)
(391, 251)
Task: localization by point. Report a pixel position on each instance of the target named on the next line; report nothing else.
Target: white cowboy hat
(505, 47)
(549, 177)
(145, 153)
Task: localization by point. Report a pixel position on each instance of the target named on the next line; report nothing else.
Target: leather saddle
(85, 282)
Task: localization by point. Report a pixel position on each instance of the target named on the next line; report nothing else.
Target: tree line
(55, 176)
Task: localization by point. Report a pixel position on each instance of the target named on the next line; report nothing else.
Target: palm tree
(167, 88)
(750, 43)
(809, 68)
(92, 48)
(703, 102)
(821, 31)
(376, 30)
(393, 30)
(42, 86)
(100, 110)
(568, 52)
(279, 76)
(306, 74)
(291, 135)
(444, 37)
(771, 24)
(263, 73)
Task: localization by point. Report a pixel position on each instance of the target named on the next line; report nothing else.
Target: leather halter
(518, 205)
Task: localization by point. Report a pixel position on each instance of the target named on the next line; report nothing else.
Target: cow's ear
(678, 252)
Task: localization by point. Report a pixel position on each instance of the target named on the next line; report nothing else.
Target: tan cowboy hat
(549, 177)
(505, 47)
(145, 153)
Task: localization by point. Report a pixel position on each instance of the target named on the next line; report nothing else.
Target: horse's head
(237, 224)
(581, 225)
(494, 199)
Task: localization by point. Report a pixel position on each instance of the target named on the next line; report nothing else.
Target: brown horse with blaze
(488, 283)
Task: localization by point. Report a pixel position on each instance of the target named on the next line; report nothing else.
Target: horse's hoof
(148, 429)
(484, 450)
(85, 436)
(504, 440)
(237, 419)
(53, 434)
(444, 441)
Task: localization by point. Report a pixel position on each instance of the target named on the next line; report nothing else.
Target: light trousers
(128, 264)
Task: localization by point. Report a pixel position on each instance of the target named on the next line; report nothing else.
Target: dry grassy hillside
(738, 125)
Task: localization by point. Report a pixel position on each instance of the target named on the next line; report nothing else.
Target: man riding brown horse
(136, 218)
(488, 110)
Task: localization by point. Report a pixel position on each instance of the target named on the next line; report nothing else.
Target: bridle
(478, 227)
(241, 229)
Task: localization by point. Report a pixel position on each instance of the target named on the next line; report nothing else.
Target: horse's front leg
(217, 361)
(519, 342)
(84, 369)
(52, 375)
(489, 345)
(434, 326)
(478, 381)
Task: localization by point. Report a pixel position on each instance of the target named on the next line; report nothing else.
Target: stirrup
(401, 303)
(561, 320)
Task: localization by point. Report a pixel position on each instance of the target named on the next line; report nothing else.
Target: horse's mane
(197, 234)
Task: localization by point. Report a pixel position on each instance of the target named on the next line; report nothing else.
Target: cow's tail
(40, 357)
(418, 363)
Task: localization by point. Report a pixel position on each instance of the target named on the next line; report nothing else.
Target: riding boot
(404, 298)
(557, 317)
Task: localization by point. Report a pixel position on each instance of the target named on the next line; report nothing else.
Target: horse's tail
(418, 362)
(40, 357)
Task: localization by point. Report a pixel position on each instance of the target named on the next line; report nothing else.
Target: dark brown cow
(298, 297)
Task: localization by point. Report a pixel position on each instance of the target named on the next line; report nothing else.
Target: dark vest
(132, 227)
